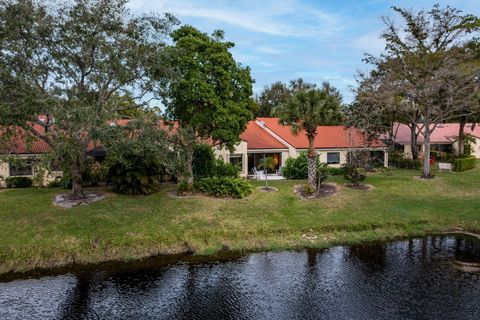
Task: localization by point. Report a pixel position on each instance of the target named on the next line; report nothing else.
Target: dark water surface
(411, 279)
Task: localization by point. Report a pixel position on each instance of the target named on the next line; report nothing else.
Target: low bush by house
(203, 164)
(464, 163)
(336, 171)
(296, 168)
(397, 160)
(224, 187)
(223, 169)
(18, 182)
(206, 165)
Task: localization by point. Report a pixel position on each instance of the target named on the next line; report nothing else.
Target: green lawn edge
(36, 234)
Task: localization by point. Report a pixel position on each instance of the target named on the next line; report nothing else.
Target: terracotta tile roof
(257, 138)
(25, 143)
(443, 133)
(328, 137)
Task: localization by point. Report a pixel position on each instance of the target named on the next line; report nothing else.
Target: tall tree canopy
(279, 93)
(425, 69)
(211, 96)
(65, 65)
(307, 110)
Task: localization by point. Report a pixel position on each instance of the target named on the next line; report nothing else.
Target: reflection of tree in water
(307, 302)
(372, 255)
(213, 292)
(76, 305)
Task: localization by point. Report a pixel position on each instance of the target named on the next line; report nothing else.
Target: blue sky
(283, 40)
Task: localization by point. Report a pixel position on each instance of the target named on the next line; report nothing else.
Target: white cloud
(285, 18)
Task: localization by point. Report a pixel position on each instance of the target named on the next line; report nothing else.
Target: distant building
(443, 139)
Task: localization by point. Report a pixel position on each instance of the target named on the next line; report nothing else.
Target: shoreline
(186, 256)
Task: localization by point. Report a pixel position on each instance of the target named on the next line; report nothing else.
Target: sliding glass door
(254, 160)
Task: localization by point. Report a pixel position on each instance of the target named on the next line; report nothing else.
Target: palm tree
(267, 163)
(307, 110)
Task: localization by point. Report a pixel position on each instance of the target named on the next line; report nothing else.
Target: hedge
(462, 164)
(18, 182)
(403, 163)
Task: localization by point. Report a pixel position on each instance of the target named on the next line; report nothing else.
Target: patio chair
(258, 174)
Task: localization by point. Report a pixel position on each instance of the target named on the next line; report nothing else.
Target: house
(26, 149)
(444, 138)
(263, 137)
(266, 137)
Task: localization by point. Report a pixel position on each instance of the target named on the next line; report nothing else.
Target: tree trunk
(426, 144)
(266, 178)
(392, 136)
(188, 176)
(413, 140)
(77, 182)
(461, 137)
(312, 167)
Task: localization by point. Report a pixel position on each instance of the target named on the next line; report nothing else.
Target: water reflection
(398, 280)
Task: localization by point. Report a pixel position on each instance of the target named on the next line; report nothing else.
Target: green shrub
(397, 160)
(464, 163)
(18, 182)
(223, 169)
(354, 174)
(335, 171)
(95, 173)
(57, 183)
(141, 177)
(184, 187)
(224, 187)
(203, 164)
(296, 168)
(308, 190)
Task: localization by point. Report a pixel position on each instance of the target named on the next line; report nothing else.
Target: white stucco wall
(476, 148)
(5, 173)
(240, 149)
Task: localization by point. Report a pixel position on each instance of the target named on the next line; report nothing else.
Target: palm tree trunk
(312, 168)
(266, 179)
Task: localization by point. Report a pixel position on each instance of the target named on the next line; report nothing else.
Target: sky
(281, 40)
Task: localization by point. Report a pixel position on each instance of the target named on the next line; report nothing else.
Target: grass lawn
(34, 233)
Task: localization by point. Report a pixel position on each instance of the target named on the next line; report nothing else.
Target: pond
(409, 279)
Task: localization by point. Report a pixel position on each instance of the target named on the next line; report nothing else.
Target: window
(333, 157)
(24, 170)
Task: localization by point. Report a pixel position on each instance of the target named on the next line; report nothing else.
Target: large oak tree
(65, 65)
(426, 69)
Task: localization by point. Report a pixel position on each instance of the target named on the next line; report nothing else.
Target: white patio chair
(258, 174)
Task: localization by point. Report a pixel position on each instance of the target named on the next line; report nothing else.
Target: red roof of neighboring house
(443, 133)
(257, 138)
(328, 137)
(25, 142)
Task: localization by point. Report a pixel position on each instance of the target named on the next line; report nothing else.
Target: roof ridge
(275, 135)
